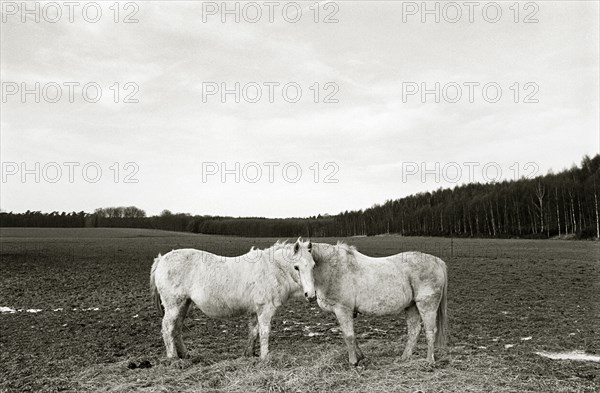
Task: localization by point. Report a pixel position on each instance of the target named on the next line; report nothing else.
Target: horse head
(304, 263)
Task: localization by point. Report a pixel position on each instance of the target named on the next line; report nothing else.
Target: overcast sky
(375, 137)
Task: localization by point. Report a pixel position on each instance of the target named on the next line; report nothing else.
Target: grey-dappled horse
(348, 282)
(256, 283)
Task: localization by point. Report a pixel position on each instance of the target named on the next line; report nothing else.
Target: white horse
(256, 283)
(350, 283)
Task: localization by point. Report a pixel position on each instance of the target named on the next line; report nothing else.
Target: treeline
(39, 219)
(120, 212)
(250, 227)
(564, 204)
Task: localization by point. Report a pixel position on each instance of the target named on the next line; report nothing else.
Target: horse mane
(345, 247)
(279, 244)
(324, 252)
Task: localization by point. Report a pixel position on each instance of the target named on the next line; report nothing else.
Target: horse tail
(154, 289)
(442, 315)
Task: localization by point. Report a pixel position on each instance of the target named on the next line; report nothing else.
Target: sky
(515, 99)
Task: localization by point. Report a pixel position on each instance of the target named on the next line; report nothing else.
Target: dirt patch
(500, 291)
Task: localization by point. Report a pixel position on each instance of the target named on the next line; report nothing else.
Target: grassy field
(87, 315)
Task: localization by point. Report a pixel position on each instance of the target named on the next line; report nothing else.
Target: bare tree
(596, 206)
(557, 210)
(540, 191)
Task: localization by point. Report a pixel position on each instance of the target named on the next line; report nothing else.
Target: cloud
(369, 133)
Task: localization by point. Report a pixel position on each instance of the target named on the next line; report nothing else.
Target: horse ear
(296, 247)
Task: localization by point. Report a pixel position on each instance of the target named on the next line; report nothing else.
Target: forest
(563, 204)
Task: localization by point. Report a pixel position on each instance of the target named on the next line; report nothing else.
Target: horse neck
(284, 274)
(329, 259)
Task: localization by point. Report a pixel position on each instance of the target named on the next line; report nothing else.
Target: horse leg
(413, 323)
(344, 318)
(252, 335)
(264, 329)
(171, 328)
(428, 311)
(359, 354)
(179, 345)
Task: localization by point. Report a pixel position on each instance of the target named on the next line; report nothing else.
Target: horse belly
(383, 297)
(218, 291)
(218, 307)
(383, 305)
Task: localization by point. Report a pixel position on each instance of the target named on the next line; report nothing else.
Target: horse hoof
(265, 358)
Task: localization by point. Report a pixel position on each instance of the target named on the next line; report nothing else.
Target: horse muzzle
(310, 297)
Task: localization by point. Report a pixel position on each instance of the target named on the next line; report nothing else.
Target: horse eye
(296, 267)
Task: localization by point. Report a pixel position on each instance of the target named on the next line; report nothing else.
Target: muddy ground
(84, 301)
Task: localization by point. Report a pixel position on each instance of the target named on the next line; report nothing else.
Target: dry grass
(323, 367)
(500, 291)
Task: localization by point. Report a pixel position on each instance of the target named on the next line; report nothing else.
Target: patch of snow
(573, 355)
(313, 334)
(482, 347)
(12, 310)
(57, 309)
(507, 346)
(526, 338)
(136, 315)
(571, 334)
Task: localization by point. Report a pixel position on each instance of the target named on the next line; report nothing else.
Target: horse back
(219, 286)
(427, 274)
(390, 284)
